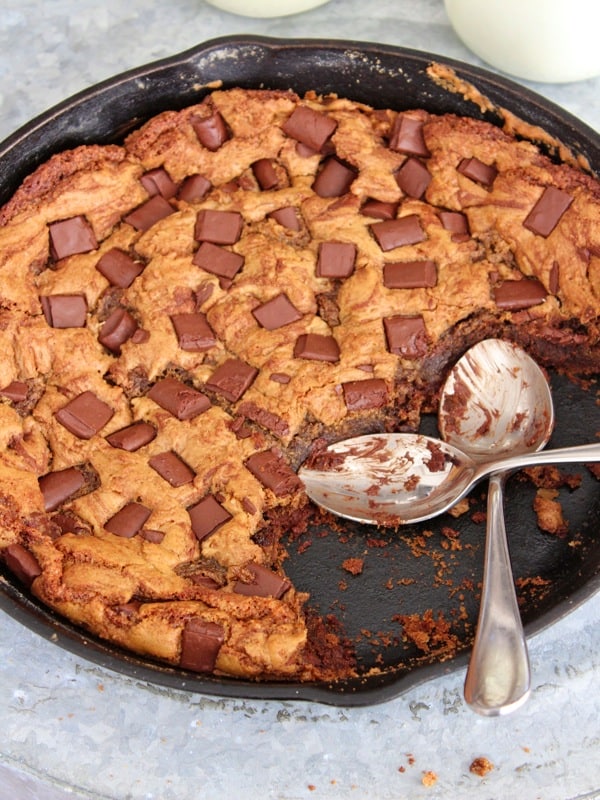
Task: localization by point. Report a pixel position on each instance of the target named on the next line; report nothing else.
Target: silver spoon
(496, 400)
(393, 479)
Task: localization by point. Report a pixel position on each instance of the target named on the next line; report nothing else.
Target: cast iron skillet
(417, 569)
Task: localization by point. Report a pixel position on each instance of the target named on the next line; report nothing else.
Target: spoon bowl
(496, 401)
(392, 479)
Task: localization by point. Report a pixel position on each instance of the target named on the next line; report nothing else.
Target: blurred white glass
(266, 8)
(554, 41)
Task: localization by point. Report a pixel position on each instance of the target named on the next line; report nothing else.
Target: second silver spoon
(496, 401)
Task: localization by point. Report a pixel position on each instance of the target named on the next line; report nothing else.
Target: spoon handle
(562, 455)
(498, 677)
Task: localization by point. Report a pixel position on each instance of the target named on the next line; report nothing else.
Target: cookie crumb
(481, 766)
(429, 778)
(353, 565)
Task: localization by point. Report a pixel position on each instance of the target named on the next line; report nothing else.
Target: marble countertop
(72, 729)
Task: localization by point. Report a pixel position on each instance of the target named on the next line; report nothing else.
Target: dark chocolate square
(232, 379)
(361, 395)
(206, 516)
(317, 347)
(218, 261)
(409, 274)
(180, 400)
(172, 468)
(406, 335)
(201, 641)
(71, 236)
(276, 313)
(193, 332)
(119, 268)
(64, 310)
(336, 259)
(149, 213)
(218, 227)
(312, 128)
(398, 232)
(85, 415)
(128, 521)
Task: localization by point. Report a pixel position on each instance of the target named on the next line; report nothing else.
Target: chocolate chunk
(71, 236)
(218, 261)
(67, 522)
(155, 537)
(128, 521)
(21, 563)
(547, 212)
(287, 217)
(312, 128)
(58, 486)
(276, 313)
(232, 379)
(477, 171)
(334, 179)
(336, 259)
(132, 437)
(413, 178)
(211, 131)
(273, 471)
(407, 136)
(455, 222)
(379, 210)
(280, 377)
(206, 516)
(117, 329)
(200, 644)
(64, 310)
(266, 419)
(406, 336)
(119, 268)
(514, 295)
(360, 395)
(193, 332)
(182, 401)
(158, 181)
(85, 415)
(265, 174)
(409, 274)
(194, 188)
(149, 213)
(264, 582)
(218, 227)
(203, 293)
(317, 347)
(16, 392)
(398, 232)
(172, 468)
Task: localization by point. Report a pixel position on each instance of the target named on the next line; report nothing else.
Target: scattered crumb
(429, 778)
(353, 565)
(428, 633)
(459, 508)
(549, 512)
(481, 766)
(550, 477)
